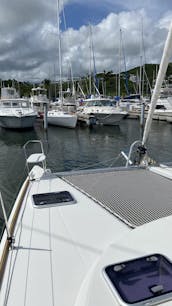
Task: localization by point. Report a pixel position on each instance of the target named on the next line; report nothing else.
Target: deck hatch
(53, 199)
(142, 279)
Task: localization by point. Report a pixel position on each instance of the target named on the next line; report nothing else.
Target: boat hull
(163, 115)
(12, 122)
(68, 121)
(109, 119)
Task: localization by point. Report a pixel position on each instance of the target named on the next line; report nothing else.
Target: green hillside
(148, 76)
(107, 82)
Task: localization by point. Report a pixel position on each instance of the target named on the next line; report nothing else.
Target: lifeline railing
(9, 236)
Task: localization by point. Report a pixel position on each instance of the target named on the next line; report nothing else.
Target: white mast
(161, 74)
(119, 73)
(70, 64)
(141, 60)
(90, 72)
(59, 49)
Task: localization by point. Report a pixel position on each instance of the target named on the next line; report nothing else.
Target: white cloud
(29, 38)
(106, 41)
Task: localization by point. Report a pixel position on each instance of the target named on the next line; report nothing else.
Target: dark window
(160, 107)
(142, 278)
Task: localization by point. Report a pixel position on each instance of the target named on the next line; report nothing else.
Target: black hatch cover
(53, 199)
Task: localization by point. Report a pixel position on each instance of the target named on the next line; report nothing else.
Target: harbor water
(73, 149)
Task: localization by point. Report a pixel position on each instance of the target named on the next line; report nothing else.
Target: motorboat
(105, 111)
(15, 112)
(58, 117)
(9, 93)
(163, 109)
(93, 237)
(39, 100)
(131, 101)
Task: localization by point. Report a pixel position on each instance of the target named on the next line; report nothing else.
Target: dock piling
(45, 116)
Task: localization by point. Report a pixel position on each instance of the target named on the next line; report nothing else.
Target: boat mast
(70, 64)
(141, 60)
(90, 47)
(95, 83)
(161, 74)
(59, 50)
(125, 66)
(119, 72)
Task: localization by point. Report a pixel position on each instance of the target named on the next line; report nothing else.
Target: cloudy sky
(29, 39)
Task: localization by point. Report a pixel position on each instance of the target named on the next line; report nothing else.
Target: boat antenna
(161, 74)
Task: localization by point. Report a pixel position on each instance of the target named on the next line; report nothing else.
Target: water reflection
(14, 137)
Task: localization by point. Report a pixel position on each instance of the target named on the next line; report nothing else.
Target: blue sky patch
(83, 14)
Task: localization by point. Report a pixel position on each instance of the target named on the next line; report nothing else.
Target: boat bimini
(80, 239)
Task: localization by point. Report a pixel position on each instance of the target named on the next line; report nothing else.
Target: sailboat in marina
(98, 109)
(91, 237)
(58, 116)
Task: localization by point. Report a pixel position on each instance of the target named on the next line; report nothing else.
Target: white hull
(12, 122)
(16, 113)
(104, 111)
(109, 119)
(101, 118)
(62, 119)
(162, 115)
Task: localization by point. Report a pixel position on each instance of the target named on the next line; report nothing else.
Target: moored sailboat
(61, 118)
(58, 116)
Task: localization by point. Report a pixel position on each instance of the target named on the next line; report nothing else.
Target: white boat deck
(60, 252)
(55, 248)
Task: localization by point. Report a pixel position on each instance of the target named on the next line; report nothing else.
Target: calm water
(76, 149)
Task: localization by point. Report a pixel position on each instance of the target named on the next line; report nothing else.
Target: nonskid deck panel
(135, 196)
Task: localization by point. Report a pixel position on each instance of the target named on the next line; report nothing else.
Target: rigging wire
(113, 160)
